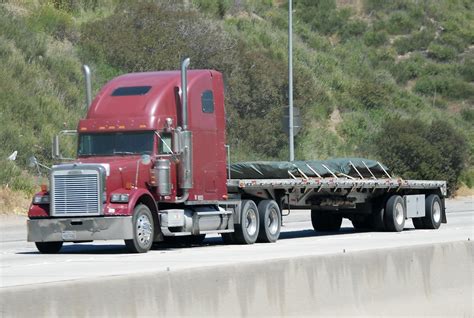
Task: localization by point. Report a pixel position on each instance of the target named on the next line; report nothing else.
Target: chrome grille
(76, 193)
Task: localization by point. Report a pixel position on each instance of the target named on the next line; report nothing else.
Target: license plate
(69, 235)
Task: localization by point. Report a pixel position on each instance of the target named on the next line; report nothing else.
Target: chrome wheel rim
(251, 222)
(399, 215)
(273, 221)
(144, 230)
(436, 212)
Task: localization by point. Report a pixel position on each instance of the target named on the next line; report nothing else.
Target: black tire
(325, 220)
(394, 216)
(49, 247)
(418, 223)
(433, 212)
(143, 230)
(270, 221)
(247, 231)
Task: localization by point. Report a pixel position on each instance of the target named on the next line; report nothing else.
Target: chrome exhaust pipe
(184, 92)
(87, 76)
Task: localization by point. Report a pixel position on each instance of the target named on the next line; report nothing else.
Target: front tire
(49, 247)
(247, 231)
(394, 217)
(325, 220)
(143, 230)
(270, 221)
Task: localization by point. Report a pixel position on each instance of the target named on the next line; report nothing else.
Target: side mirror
(56, 154)
(32, 162)
(55, 151)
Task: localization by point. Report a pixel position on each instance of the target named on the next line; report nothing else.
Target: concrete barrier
(420, 280)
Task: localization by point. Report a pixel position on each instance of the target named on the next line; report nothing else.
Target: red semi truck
(152, 163)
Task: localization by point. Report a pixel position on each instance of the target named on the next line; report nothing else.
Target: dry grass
(13, 202)
(464, 191)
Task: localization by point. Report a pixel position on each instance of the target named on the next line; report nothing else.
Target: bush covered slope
(368, 74)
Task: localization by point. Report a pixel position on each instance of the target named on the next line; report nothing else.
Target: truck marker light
(111, 127)
(83, 128)
(121, 127)
(128, 185)
(142, 126)
(44, 187)
(101, 127)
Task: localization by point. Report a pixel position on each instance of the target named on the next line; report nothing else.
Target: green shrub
(55, 22)
(467, 68)
(468, 115)
(416, 150)
(15, 178)
(441, 52)
(375, 38)
(400, 22)
(216, 8)
(408, 69)
(353, 28)
(446, 86)
(418, 41)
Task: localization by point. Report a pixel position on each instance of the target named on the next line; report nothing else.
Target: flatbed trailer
(370, 203)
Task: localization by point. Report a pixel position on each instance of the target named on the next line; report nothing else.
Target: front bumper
(80, 229)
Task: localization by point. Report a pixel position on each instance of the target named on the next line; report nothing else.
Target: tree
(416, 150)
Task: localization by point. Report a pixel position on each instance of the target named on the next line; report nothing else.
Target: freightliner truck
(152, 165)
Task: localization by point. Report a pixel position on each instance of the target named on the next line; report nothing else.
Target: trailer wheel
(270, 221)
(143, 230)
(325, 220)
(49, 247)
(394, 216)
(433, 212)
(247, 231)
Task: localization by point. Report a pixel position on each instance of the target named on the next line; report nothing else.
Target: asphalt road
(21, 264)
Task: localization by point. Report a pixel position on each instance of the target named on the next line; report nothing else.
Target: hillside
(368, 74)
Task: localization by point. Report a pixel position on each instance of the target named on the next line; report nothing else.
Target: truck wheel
(247, 231)
(143, 230)
(325, 220)
(433, 212)
(49, 247)
(394, 216)
(270, 221)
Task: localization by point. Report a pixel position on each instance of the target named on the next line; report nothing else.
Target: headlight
(41, 199)
(119, 198)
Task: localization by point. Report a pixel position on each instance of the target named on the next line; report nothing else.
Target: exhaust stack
(87, 76)
(186, 136)
(184, 92)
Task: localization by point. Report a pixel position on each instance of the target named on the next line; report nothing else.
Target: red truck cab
(142, 146)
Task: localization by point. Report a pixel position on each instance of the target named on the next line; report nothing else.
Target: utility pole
(290, 79)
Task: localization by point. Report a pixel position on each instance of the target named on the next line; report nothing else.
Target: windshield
(119, 143)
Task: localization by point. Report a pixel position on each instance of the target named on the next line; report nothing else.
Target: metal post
(290, 79)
